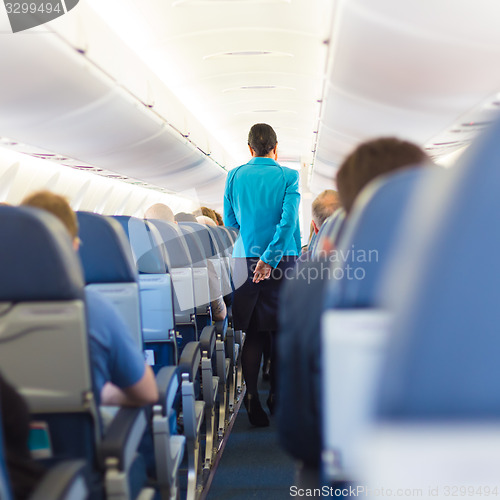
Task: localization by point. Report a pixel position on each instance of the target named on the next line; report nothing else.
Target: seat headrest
(37, 259)
(145, 243)
(105, 251)
(207, 239)
(369, 238)
(194, 245)
(177, 252)
(443, 359)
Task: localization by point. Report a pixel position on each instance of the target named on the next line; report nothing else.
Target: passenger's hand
(262, 271)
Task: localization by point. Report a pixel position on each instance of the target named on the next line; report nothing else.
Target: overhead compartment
(54, 98)
(415, 70)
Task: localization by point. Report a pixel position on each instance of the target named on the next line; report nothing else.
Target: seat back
(200, 269)
(210, 249)
(180, 267)
(42, 311)
(442, 363)
(155, 287)
(225, 250)
(437, 393)
(109, 267)
(352, 329)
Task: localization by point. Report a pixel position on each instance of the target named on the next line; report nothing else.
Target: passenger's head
(323, 206)
(184, 217)
(57, 205)
(371, 159)
(160, 211)
(208, 212)
(219, 219)
(262, 140)
(203, 219)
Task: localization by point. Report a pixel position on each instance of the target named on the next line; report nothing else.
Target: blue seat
(109, 267)
(43, 311)
(156, 291)
(371, 227)
(444, 343)
(329, 233)
(191, 287)
(437, 393)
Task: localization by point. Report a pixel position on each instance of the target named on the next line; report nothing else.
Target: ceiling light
(258, 87)
(248, 53)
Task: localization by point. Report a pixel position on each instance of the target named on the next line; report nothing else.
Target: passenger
(203, 219)
(218, 216)
(207, 212)
(160, 211)
(371, 159)
(261, 198)
(322, 207)
(121, 376)
(24, 472)
(184, 217)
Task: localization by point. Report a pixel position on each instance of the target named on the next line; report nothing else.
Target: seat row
(401, 400)
(157, 275)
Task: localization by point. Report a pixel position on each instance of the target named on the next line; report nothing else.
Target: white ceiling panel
(415, 69)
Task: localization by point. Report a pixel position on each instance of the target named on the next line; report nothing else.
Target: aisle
(252, 465)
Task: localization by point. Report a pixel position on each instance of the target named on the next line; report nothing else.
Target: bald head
(323, 206)
(161, 212)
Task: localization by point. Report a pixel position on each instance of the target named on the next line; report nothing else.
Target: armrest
(221, 327)
(167, 381)
(122, 439)
(64, 481)
(207, 340)
(190, 359)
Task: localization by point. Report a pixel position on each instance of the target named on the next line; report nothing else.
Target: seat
(156, 291)
(210, 249)
(437, 405)
(224, 251)
(42, 310)
(109, 267)
(200, 276)
(180, 267)
(210, 383)
(354, 328)
(193, 410)
(169, 445)
(329, 233)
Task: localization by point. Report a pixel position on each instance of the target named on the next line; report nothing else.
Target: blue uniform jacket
(261, 199)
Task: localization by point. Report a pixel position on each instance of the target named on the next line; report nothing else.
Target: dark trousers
(255, 311)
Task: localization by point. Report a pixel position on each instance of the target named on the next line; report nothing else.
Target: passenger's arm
(229, 215)
(219, 310)
(285, 230)
(143, 392)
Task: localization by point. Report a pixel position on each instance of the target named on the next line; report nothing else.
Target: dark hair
(371, 159)
(184, 217)
(262, 139)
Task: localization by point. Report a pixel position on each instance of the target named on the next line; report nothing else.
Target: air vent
(476, 124)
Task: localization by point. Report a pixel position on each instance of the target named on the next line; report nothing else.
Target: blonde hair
(57, 205)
